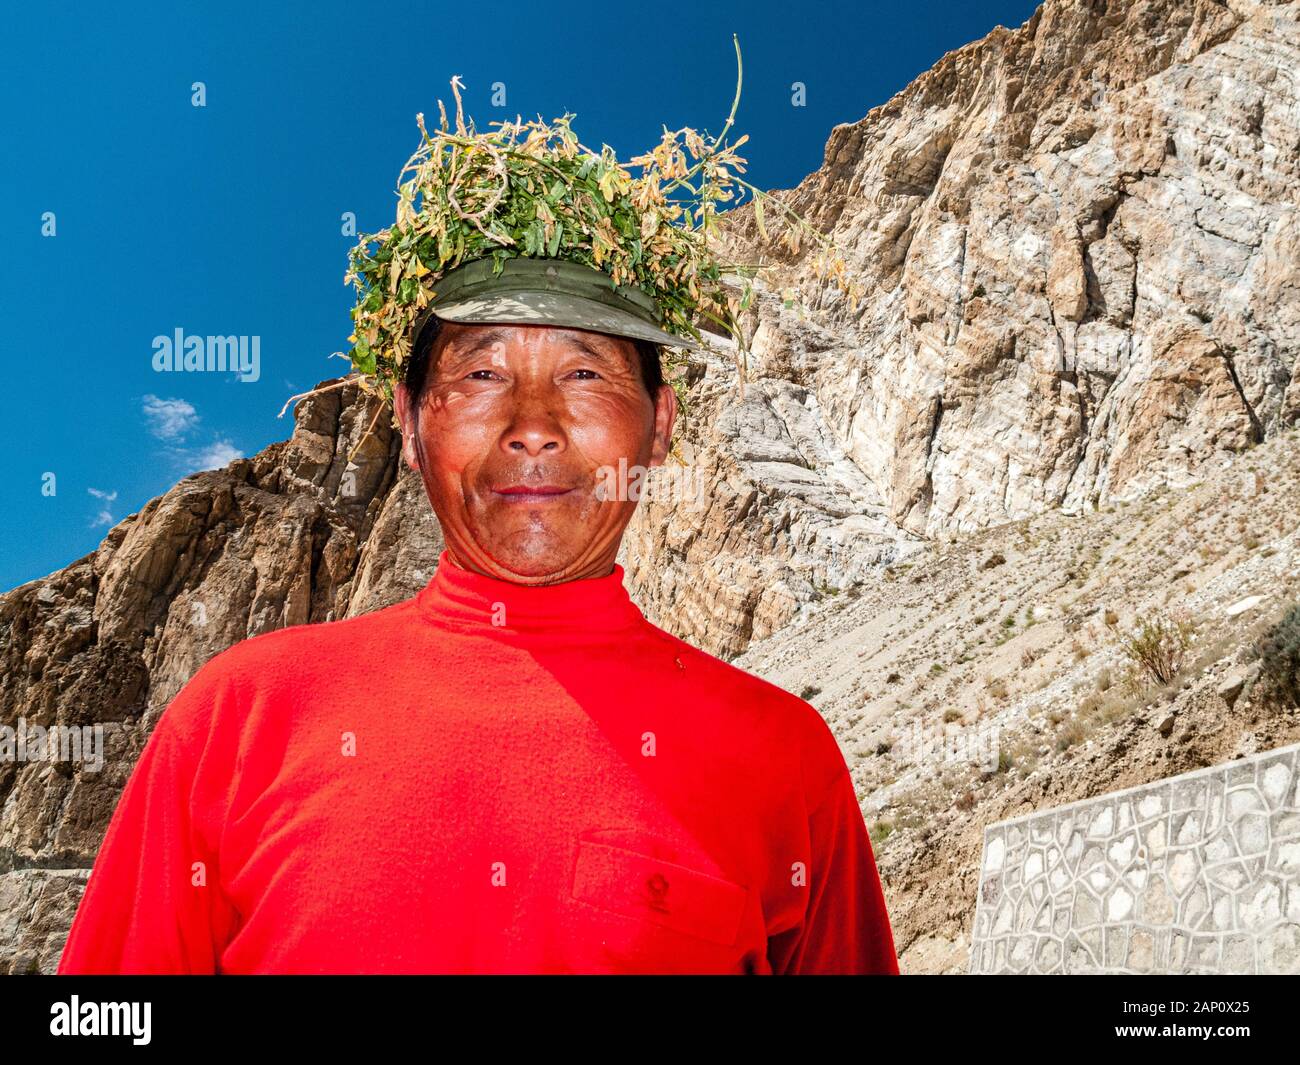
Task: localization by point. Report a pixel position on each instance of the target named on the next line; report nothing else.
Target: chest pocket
(646, 886)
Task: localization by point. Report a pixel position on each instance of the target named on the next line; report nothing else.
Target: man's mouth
(531, 493)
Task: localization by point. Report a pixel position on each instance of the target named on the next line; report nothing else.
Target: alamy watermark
(78, 1018)
(241, 355)
(977, 744)
(673, 484)
(57, 743)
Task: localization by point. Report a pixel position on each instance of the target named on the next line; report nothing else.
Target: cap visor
(557, 309)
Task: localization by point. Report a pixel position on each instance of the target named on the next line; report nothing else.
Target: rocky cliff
(1080, 247)
(1078, 241)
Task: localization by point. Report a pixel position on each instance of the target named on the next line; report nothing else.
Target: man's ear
(401, 408)
(665, 419)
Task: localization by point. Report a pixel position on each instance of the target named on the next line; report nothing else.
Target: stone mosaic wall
(1198, 873)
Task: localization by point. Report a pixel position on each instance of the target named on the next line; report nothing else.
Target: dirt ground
(986, 677)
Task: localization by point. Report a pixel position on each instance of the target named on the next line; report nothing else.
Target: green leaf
(363, 358)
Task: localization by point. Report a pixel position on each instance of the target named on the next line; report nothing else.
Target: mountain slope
(986, 678)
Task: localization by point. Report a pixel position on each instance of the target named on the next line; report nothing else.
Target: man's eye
(471, 374)
(592, 372)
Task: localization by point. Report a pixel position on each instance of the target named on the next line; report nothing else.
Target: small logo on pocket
(656, 889)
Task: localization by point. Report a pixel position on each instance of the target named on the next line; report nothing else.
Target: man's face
(513, 408)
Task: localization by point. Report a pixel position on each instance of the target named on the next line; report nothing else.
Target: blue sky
(226, 219)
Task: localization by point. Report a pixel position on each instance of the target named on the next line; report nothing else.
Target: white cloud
(105, 516)
(213, 457)
(169, 419)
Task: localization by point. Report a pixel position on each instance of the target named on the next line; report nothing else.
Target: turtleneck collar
(579, 609)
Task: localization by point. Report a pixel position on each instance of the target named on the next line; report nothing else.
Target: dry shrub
(1278, 651)
(1157, 645)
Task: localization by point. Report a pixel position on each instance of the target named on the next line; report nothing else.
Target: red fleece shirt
(485, 778)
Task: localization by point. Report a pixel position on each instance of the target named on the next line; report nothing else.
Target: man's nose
(535, 427)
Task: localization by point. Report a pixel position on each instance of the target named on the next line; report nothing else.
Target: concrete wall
(1198, 873)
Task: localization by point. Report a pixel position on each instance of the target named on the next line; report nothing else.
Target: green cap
(530, 290)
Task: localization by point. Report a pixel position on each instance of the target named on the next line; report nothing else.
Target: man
(513, 771)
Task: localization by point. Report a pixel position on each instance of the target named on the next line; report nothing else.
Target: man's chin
(533, 553)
